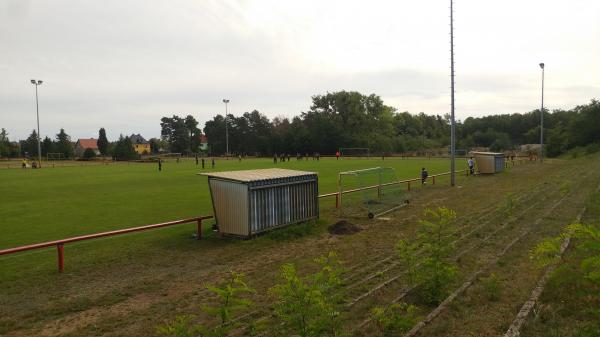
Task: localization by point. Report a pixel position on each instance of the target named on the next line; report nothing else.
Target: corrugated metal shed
(252, 201)
(489, 162)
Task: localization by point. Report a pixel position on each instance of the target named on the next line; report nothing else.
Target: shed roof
(489, 153)
(257, 175)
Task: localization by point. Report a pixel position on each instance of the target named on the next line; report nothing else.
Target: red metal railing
(60, 244)
(407, 182)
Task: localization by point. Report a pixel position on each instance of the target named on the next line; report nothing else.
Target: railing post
(199, 236)
(433, 180)
(408, 185)
(337, 200)
(61, 257)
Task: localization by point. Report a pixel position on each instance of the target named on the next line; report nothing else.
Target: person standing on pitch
(424, 176)
(471, 164)
(213, 162)
(196, 159)
(337, 155)
(159, 164)
(203, 163)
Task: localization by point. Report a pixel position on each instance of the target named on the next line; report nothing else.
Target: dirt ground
(131, 295)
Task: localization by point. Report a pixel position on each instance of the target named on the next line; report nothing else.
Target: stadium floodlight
(226, 129)
(452, 124)
(37, 111)
(542, 118)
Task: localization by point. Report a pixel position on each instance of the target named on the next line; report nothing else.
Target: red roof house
(85, 143)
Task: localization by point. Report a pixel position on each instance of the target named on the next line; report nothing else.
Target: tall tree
(102, 142)
(124, 149)
(47, 146)
(31, 144)
(4, 144)
(63, 144)
(175, 131)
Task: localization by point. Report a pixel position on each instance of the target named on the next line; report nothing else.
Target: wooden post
(61, 257)
(199, 236)
(408, 185)
(433, 180)
(337, 200)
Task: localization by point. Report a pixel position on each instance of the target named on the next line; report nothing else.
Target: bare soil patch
(343, 227)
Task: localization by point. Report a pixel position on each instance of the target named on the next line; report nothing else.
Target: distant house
(203, 143)
(86, 143)
(140, 145)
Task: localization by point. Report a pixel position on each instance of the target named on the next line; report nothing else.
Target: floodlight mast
(542, 118)
(226, 129)
(452, 124)
(37, 111)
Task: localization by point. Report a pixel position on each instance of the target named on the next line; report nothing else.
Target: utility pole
(37, 112)
(226, 129)
(452, 124)
(542, 119)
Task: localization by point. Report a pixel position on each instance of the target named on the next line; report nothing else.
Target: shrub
(491, 286)
(394, 319)
(230, 300)
(307, 306)
(89, 154)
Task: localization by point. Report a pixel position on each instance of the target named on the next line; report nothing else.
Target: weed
(408, 255)
(230, 301)
(307, 306)
(394, 319)
(491, 286)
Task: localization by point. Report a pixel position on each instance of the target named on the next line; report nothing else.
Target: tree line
(345, 119)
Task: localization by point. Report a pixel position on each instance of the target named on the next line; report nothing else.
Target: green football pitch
(50, 204)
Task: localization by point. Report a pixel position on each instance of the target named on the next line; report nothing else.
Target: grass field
(49, 204)
(126, 286)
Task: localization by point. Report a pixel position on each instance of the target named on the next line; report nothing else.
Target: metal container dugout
(249, 202)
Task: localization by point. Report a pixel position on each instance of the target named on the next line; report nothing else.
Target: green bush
(89, 154)
(308, 306)
(394, 319)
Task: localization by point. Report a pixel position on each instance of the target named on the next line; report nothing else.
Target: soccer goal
(55, 156)
(171, 155)
(355, 152)
(370, 192)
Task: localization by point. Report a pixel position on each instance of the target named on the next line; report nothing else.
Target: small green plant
(394, 319)
(436, 270)
(510, 203)
(407, 252)
(308, 306)
(491, 286)
(230, 300)
(181, 326)
(564, 188)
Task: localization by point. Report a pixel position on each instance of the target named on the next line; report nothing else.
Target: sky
(122, 65)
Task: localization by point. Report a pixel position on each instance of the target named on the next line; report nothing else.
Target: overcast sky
(124, 64)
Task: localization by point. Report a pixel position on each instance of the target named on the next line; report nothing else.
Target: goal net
(370, 192)
(355, 152)
(55, 156)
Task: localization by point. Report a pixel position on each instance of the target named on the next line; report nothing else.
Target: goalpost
(372, 192)
(358, 152)
(55, 156)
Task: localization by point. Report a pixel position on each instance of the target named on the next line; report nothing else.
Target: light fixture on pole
(542, 119)
(452, 124)
(226, 129)
(37, 111)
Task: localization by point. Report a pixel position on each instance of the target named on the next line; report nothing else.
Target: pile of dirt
(343, 227)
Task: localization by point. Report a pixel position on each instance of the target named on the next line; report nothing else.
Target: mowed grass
(50, 204)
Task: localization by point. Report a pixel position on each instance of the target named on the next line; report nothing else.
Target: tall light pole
(452, 124)
(542, 119)
(226, 129)
(37, 111)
